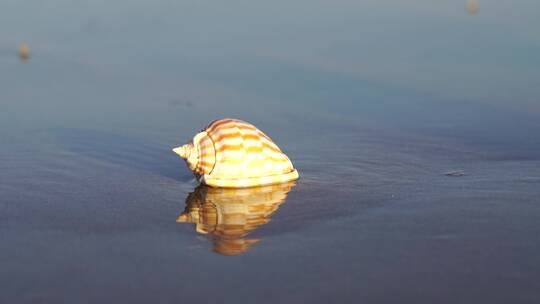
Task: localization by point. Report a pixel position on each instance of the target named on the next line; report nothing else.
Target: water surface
(373, 101)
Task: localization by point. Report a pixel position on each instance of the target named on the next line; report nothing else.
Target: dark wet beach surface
(375, 103)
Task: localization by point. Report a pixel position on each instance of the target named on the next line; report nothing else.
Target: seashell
(231, 153)
(229, 215)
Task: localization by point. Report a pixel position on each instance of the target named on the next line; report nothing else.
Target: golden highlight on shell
(230, 153)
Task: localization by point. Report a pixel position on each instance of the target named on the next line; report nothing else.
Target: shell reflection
(229, 215)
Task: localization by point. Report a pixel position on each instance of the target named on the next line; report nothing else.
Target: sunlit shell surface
(228, 215)
(231, 153)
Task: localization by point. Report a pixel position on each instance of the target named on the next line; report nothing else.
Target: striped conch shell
(231, 153)
(229, 215)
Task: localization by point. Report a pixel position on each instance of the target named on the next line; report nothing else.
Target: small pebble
(472, 7)
(24, 52)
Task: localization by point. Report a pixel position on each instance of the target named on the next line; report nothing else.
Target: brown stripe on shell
(238, 124)
(265, 143)
(222, 136)
(206, 164)
(269, 139)
(247, 137)
(216, 123)
(230, 147)
(240, 146)
(235, 160)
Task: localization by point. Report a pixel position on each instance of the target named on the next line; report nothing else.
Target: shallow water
(373, 101)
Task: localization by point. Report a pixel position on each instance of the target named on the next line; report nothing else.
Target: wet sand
(94, 207)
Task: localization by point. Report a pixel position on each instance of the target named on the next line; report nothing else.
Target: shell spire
(184, 151)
